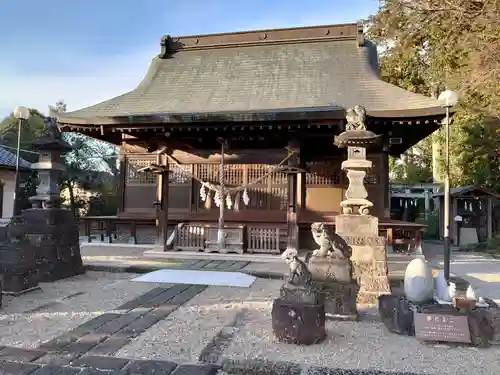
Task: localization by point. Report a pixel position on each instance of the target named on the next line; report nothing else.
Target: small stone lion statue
(299, 274)
(330, 244)
(356, 118)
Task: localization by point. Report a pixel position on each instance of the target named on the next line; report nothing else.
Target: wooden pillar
(121, 186)
(427, 203)
(386, 184)
(292, 195)
(162, 201)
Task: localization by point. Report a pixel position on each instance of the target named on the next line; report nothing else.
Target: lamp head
(21, 113)
(448, 98)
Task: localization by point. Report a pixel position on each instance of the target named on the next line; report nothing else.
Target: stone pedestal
(298, 323)
(482, 324)
(396, 314)
(333, 277)
(17, 261)
(369, 258)
(53, 233)
(330, 268)
(339, 299)
(298, 316)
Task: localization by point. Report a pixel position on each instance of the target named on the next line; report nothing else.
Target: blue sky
(87, 51)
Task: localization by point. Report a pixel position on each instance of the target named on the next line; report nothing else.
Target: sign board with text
(442, 327)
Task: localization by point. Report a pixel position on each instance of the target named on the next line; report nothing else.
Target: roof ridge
(351, 31)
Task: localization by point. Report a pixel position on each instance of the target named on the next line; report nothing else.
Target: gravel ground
(356, 345)
(39, 316)
(183, 335)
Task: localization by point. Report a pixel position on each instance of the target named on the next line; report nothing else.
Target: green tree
(31, 129)
(86, 155)
(430, 45)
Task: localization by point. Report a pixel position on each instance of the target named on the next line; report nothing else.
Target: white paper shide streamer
(203, 193)
(217, 198)
(246, 198)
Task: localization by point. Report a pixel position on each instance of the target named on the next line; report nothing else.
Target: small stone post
(52, 230)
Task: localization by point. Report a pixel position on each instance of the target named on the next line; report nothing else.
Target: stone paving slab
(107, 366)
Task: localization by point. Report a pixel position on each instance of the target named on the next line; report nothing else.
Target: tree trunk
(72, 198)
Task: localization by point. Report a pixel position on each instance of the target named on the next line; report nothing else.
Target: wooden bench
(106, 226)
(403, 234)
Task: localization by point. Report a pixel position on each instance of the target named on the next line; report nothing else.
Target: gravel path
(39, 316)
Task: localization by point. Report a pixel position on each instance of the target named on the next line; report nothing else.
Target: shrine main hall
(269, 103)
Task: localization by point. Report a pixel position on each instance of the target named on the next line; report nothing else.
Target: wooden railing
(190, 237)
(269, 238)
(265, 239)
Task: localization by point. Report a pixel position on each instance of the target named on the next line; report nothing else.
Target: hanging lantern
(246, 198)
(406, 203)
(400, 203)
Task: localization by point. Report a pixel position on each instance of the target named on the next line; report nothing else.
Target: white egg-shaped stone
(418, 283)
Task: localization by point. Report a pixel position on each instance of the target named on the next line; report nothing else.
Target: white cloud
(96, 79)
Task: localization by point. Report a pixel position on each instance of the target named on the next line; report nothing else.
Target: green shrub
(432, 223)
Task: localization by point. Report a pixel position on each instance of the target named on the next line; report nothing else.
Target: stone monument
(52, 230)
(432, 309)
(331, 269)
(355, 225)
(17, 260)
(298, 315)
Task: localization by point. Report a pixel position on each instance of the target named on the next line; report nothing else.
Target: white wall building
(7, 183)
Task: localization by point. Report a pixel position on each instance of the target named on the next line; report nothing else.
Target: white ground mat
(215, 278)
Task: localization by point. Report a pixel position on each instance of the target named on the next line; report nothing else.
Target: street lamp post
(448, 99)
(20, 113)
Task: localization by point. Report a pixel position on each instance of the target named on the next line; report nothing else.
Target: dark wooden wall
(320, 190)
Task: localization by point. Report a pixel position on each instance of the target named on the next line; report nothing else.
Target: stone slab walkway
(99, 257)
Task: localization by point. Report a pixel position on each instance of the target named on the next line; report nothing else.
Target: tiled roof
(8, 160)
(328, 68)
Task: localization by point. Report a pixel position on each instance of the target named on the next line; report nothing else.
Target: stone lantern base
(369, 258)
(53, 233)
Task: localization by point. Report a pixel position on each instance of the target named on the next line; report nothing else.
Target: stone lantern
(52, 230)
(355, 225)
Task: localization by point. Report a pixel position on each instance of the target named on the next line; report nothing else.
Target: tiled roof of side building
(8, 160)
(317, 68)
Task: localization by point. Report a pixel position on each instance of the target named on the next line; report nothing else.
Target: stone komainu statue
(299, 274)
(356, 118)
(330, 243)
